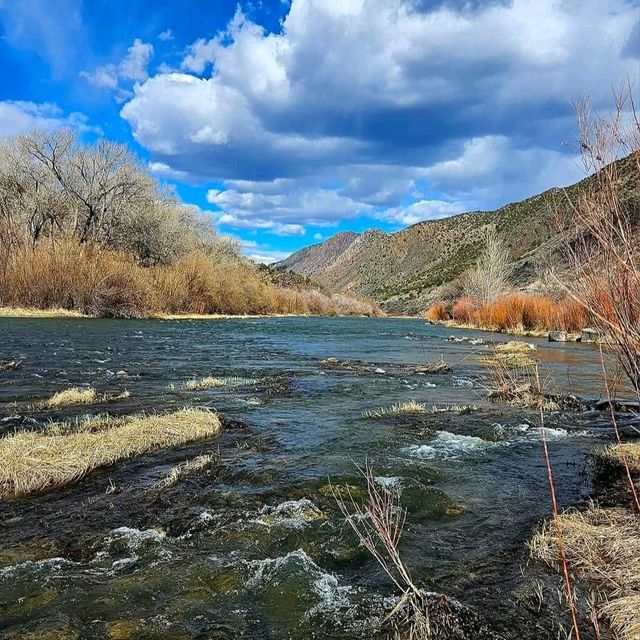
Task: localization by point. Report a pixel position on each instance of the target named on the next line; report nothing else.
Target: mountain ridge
(405, 270)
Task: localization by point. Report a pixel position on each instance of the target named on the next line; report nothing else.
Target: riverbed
(255, 547)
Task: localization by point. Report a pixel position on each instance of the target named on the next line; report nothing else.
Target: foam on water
(447, 445)
(324, 585)
(28, 567)
(291, 513)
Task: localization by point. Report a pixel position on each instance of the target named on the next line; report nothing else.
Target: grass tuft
(33, 462)
(603, 550)
(75, 395)
(515, 346)
(208, 382)
(188, 468)
(413, 407)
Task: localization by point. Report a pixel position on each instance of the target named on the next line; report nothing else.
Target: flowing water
(256, 547)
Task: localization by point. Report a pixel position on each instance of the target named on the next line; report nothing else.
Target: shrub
(436, 312)
(463, 310)
(570, 315)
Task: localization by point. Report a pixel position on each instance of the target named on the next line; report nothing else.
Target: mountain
(405, 271)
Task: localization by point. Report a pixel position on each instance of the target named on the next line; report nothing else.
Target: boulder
(590, 335)
(557, 336)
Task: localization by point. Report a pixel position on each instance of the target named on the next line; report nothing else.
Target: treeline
(84, 227)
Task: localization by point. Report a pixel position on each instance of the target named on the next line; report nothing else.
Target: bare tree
(490, 277)
(603, 247)
(51, 186)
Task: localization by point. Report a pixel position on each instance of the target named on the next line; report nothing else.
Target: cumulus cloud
(417, 109)
(282, 206)
(18, 117)
(133, 67)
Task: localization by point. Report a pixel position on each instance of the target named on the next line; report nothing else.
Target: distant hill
(406, 270)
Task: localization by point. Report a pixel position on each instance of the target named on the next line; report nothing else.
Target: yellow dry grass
(603, 550)
(515, 346)
(630, 451)
(413, 407)
(23, 312)
(197, 384)
(624, 617)
(33, 462)
(75, 395)
(190, 467)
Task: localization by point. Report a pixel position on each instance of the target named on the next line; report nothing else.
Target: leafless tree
(51, 186)
(490, 277)
(603, 247)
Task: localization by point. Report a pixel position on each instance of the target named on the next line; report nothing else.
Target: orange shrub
(463, 310)
(436, 312)
(570, 315)
(537, 313)
(514, 311)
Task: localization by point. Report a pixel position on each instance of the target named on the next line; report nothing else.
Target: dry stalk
(378, 524)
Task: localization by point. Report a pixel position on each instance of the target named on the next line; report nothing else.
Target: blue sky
(290, 121)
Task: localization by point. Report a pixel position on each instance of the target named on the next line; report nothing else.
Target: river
(256, 548)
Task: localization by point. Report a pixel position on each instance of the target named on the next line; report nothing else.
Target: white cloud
(18, 117)
(268, 257)
(282, 205)
(133, 67)
(166, 35)
(421, 210)
(416, 110)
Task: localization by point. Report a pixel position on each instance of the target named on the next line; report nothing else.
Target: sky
(291, 121)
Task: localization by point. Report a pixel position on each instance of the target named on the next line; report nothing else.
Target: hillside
(406, 270)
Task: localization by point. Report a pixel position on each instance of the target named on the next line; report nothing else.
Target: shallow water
(256, 548)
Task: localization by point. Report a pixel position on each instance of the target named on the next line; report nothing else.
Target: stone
(557, 336)
(590, 335)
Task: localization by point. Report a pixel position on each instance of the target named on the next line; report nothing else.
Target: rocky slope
(406, 270)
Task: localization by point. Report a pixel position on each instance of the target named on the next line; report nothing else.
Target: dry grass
(617, 454)
(21, 312)
(189, 468)
(93, 280)
(413, 407)
(603, 551)
(33, 462)
(508, 360)
(623, 617)
(68, 397)
(208, 382)
(515, 346)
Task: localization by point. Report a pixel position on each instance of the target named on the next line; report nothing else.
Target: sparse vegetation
(603, 551)
(32, 462)
(413, 407)
(208, 382)
(198, 465)
(75, 395)
(489, 279)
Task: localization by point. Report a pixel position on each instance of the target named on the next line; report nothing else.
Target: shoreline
(25, 312)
